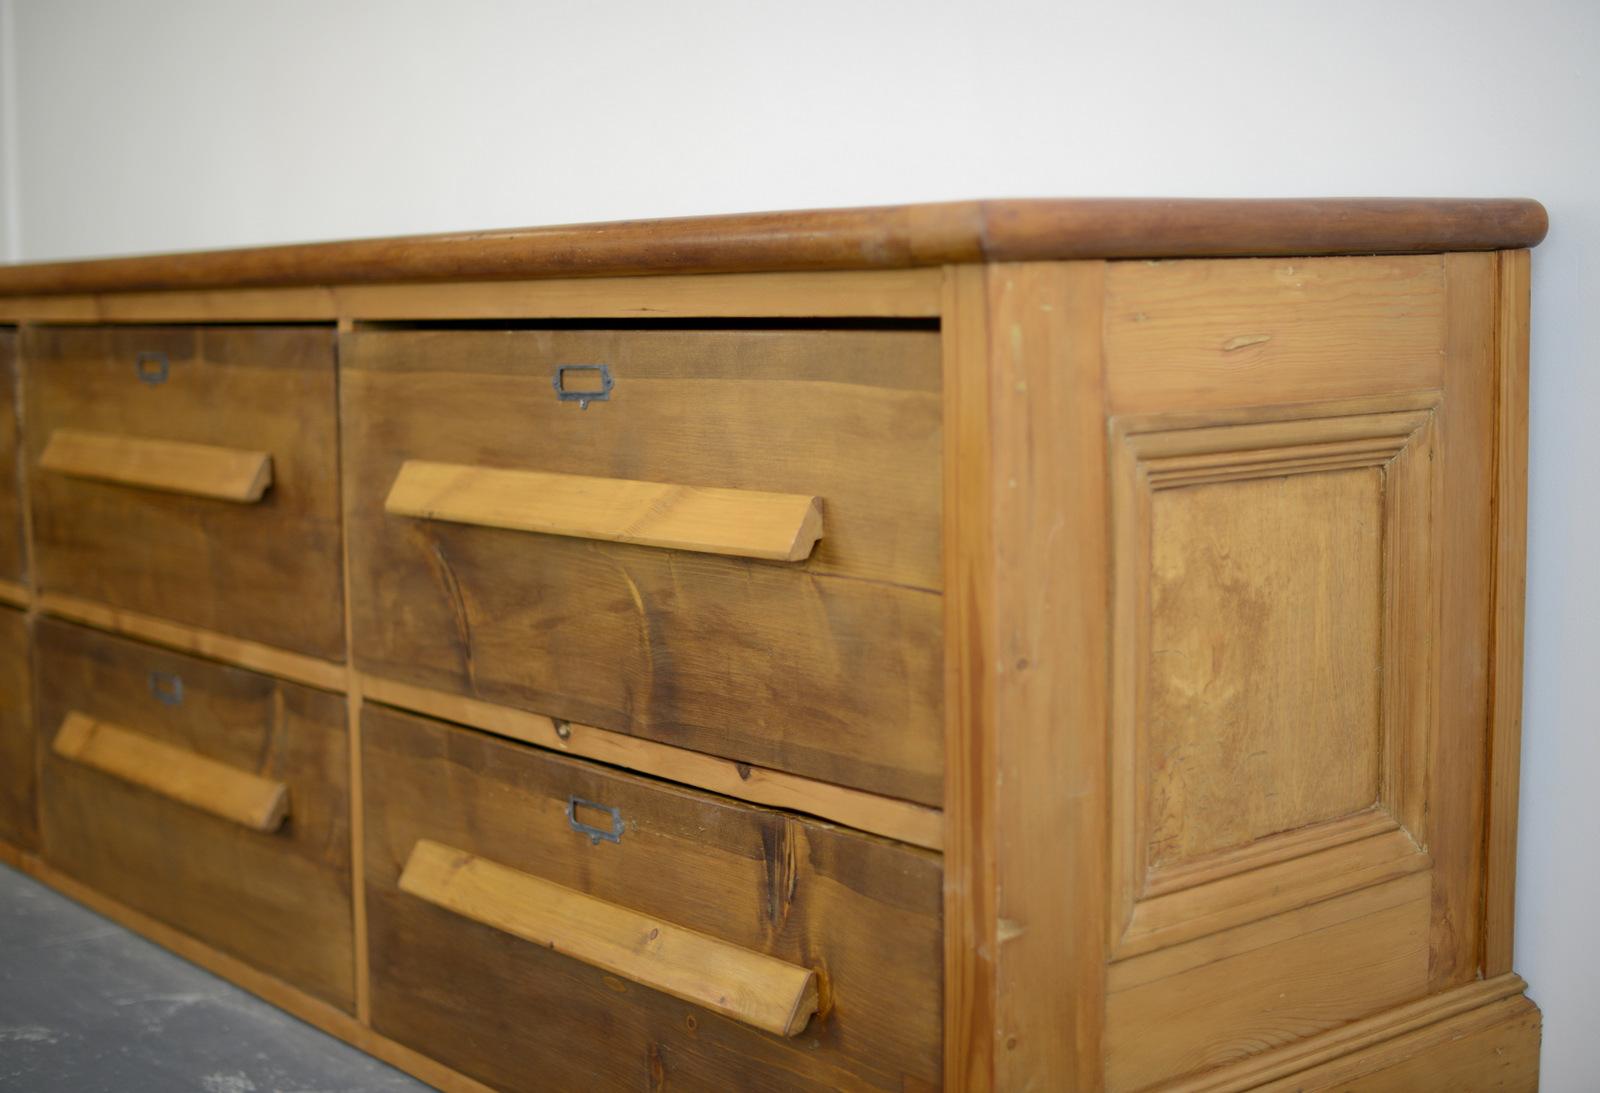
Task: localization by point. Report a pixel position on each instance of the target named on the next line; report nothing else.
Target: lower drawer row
(533, 921)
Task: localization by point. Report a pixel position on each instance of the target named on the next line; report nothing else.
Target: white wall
(171, 124)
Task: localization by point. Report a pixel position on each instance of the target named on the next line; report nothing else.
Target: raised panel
(1265, 645)
(1271, 664)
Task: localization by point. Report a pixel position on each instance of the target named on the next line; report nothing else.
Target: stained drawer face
(11, 553)
(190, 474)
(471, 853)
(827, 666)
(209, 797)
(17, 823)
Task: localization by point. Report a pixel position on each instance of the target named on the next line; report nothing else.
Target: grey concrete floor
(88, 1007)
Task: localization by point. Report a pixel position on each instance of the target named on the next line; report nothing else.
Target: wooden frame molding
(887, 816)
(1162, 904)
(189, 639)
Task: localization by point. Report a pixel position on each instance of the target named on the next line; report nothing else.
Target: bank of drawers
(723, 540)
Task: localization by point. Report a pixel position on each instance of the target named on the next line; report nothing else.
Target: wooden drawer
(11, 552)
(513, 546)
(212, 798)
(239, 535)
(479, 881)
(18, 825)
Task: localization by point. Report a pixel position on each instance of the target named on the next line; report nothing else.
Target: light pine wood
(828, 669)
(893, 819)
(1510, 567)
(1414, 1043)
(763, 992)
(1200, 335)
(18, 782)
(261, 804)
(900, 294)
(862, 911)
(1457, 767)
(246, 654)
(1177, 601)
(266, 572)
(1252, 558)
(313, 1011)
(1255, 752)
(1262, 990)
(279, 900)
(202, 470)
(747, 523)
(1025, 659)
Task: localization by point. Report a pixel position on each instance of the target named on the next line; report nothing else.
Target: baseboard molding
(1480, 1036)
(313, 1011)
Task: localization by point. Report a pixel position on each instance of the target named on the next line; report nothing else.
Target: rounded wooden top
(887, 237)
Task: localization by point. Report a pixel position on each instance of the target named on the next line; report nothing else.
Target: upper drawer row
(723, 539)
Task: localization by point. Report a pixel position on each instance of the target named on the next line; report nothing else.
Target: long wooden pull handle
(249, 800)
(776, 526)
(760, 990)
(202, 470)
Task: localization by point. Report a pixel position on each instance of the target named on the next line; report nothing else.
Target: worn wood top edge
(884, 237)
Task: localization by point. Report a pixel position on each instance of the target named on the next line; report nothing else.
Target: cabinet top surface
(883, 237)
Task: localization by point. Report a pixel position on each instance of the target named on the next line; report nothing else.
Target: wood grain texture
(1457, 804)
(780, 527)
(200, 470)
(827, 669)
(1245, 1000)
(760, 991)
(1199, 335)
(864, 238)
(18, 796)
(898, 294)
(13, 566)
(260, 804)
(1218, 697)
(313, 1011)
(266, 572)
(14, 595)
(1026, 658)
(280, 902)
(1510, 509)
(1410, 1044)
(902, 821)
(1256, 725)
(863, 912)
(189, 639)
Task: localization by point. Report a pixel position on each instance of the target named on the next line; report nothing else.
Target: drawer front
(475, 845)
(209, 797)
(11, 553)
(485, 514)
(190, 474)
(17, 823)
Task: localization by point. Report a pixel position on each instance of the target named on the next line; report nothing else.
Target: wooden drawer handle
(249, 800)
(777, 526)
(760, 990)
(226, 474)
